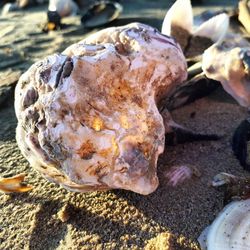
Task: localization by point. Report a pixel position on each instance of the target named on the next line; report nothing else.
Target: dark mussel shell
(101, 13)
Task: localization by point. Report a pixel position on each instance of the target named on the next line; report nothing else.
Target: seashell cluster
(230, 230)
(88, 118)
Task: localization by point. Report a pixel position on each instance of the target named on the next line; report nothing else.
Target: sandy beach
(50, 217)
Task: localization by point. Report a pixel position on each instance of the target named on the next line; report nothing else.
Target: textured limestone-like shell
(87, 118)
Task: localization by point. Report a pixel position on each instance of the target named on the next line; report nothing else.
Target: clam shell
(101, 13)
(230, 230)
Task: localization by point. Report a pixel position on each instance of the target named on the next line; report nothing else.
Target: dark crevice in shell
(30, 98)
(64, 71)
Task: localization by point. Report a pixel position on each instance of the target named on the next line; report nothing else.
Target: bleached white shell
(230, 230)
(175, 15)
(88, 118)
(215, 28)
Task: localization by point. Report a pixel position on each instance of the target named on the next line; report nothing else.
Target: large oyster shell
(87, 118)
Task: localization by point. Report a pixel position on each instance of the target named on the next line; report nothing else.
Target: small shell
(192, 39)
(230, 230)
(223, 179)
(63, 7)
(174, 17)
(215, 28)
(178, 174)
(14, 184)
(101, 13)
(235, 187)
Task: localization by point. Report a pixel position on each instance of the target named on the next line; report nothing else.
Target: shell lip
(101, 13)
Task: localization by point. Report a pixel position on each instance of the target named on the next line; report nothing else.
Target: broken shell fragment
(223, 179)
(193, 40)
(178, 174)
(174, 17)
(235, 187)
(93, 123)
(215, 28)
(14, 184)
(100, 13)
(230, 230)
(63, 7)
(230, 65)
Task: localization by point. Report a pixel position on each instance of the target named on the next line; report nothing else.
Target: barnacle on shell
(88, 118)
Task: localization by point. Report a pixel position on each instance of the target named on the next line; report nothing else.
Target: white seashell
(179, 23)
(215, 28)
(100, 13)
(223, 179)
(63, 7)
(230, 66)
(88, 119)
(174, 17)
(230, 230)
(176, 175)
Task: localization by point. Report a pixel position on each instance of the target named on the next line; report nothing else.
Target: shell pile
(87, 118)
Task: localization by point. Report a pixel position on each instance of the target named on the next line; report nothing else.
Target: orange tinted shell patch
(86, 150)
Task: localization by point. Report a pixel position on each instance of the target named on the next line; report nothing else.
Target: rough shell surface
(87, 118)
(230, 230)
